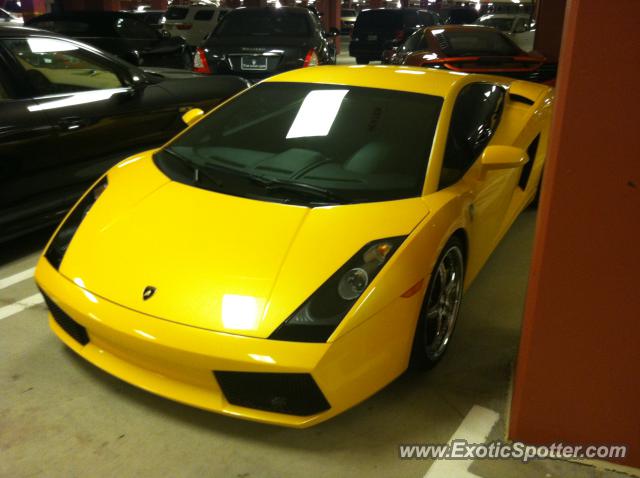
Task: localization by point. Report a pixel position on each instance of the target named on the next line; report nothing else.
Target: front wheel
(440, 308)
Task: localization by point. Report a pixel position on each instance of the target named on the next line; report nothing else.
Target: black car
(153, 18)
(120, 33)
(68, 112)
(459, 15)
(376, 30)
(260, 42)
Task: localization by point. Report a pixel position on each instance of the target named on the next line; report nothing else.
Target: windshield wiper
(198, 174)
(298, 187)
(268, 184)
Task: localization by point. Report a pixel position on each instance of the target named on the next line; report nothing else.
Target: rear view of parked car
(259, 42)
(374, 30)
(194, 23)
(471, 49)
(120, 33)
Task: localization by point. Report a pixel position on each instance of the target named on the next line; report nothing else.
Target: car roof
(505, 15)
(89, 15)
(273, 9)
(399, 78)
(13, 30)
(460, 28)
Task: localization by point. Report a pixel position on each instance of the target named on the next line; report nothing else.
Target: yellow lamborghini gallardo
(296, 249)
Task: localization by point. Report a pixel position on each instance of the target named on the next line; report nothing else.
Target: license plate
(372, 37)
(253, 63)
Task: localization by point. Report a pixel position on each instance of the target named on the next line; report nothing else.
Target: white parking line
(475, 428)
(12, 309)
(15, 278)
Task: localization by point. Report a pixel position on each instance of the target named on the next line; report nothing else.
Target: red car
(469, 49)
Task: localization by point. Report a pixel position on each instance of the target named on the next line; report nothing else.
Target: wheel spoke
(443, 302)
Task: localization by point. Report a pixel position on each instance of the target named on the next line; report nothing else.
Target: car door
(26, 138)
(474, 121)
(99, 117)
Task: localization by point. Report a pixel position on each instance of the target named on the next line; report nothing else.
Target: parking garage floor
(60, 416)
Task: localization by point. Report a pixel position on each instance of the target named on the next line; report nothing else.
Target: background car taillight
(184, 26)
(200, 63)
(311, 59)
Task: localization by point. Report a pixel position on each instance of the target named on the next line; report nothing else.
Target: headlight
(318, 317)
(56, 250)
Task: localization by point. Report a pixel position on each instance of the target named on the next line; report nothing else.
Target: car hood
(217, 262)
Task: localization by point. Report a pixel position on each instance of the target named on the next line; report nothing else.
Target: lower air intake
(70, 326)
(290, 393)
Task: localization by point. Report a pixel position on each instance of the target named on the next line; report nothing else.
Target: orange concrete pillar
(330, 11)
(33, 8)
(577, 379)
(158, 4)
(549, 20)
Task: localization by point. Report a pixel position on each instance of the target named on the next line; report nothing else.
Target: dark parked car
(376, 30)
(458, 15)
(120, 33)
(154, 18)
(260, 42)
(471, 49)
(68, 112)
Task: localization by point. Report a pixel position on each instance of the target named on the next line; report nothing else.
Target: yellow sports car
(294, 250)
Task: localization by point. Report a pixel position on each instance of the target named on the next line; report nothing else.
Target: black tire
(362, 61)
(427, 350)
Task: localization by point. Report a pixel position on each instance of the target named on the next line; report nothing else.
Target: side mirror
(503, 157)
(192, 116)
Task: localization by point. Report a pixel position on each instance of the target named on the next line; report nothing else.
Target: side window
(475, 118)
(55, 66)
(412, 43)
(204, 15)
(132, 28)
(426, 19)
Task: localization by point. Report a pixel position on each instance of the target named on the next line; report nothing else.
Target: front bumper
(178, 361)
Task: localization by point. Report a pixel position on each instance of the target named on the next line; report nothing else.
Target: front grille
(290, 393)
(70, 326)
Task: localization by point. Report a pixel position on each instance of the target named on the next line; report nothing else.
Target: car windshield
(271, 23)
(474, 42)
(502, 24)
(380, 20)
(308, 143)
(177, 13)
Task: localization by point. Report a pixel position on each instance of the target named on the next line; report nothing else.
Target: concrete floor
(60, 416)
